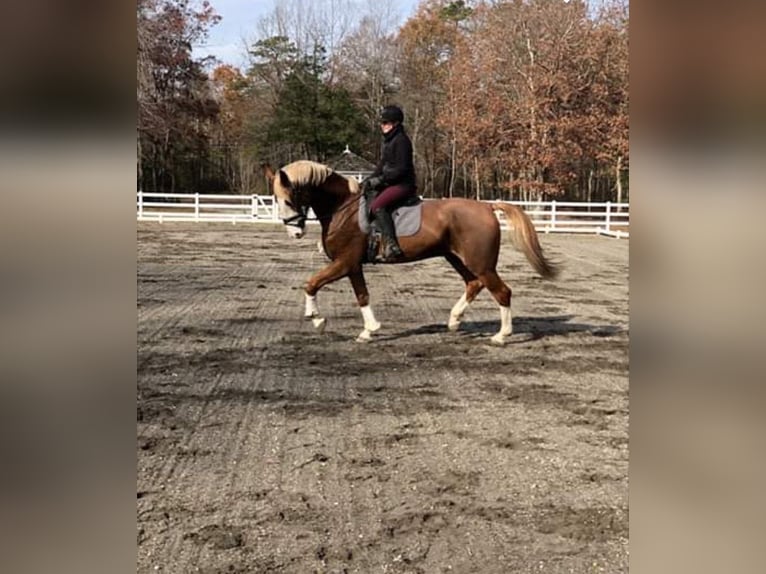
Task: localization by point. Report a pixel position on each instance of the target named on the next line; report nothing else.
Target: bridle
(299, 219)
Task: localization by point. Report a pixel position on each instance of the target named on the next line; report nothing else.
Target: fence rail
(605, 218)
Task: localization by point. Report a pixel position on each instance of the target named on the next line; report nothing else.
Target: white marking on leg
(311, 306)
(506, 325)
(506, 320)
(364, 337)
(457, 313)
(319, 323)
(370, 323)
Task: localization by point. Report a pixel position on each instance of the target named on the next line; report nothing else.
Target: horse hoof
(453, 326)
(498, 339)
(364, 337)
(319, 324)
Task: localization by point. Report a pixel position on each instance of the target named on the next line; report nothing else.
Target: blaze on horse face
(292, 213)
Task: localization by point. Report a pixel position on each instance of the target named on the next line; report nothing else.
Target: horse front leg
(334, 271)
(363, 299)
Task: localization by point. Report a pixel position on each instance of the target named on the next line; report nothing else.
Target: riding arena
(480, 424)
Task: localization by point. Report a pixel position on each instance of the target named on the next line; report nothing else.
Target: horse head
(292, 210)
(305, 184)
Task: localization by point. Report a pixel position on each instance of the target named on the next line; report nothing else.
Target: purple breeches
(391, 195)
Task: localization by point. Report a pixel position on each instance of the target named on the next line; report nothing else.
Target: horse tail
(525, 239)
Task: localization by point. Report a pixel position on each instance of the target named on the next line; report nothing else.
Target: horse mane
(305, 173)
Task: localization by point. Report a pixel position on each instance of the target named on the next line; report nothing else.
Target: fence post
(196, 207)
(608, 215)
(553, 216)
(253, 207)
(140, 204)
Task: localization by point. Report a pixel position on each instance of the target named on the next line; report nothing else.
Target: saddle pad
(406, 218)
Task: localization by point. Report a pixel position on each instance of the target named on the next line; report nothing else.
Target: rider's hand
(372, 183)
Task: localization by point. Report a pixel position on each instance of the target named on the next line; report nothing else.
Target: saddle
(407, 218)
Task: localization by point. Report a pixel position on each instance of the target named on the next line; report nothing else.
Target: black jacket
(396, 164)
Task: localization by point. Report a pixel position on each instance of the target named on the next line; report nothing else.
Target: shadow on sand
(534, 327)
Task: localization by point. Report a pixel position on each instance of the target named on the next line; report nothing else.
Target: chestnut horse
(464, 231)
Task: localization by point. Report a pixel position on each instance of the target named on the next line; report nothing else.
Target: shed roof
(349, 162)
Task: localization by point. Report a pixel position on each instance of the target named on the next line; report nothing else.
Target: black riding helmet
(392, 114)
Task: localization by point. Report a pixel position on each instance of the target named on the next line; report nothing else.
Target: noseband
(299, 219)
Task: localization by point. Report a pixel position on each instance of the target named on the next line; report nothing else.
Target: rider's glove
(372, 183)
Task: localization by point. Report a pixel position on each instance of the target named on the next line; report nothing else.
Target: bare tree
(366, 63)
(308, 24)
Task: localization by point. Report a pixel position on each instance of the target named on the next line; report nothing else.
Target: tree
(365, 65)
(233, 147)
(537, 94)
(175, 103)
(427, 43)
(312, 118)
(274, 58)
(310, 24)
(519, 99)
(613, 43)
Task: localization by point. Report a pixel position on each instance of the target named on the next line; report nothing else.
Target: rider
(393, 180)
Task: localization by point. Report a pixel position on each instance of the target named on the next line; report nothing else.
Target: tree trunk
(139, 162)
(166, 167)
(618, 173)
(201, 174)
(432, 173)
(478, 180)
(416, 133)
(155, 160)
(468, 190)
(453, 137)
(539, 187)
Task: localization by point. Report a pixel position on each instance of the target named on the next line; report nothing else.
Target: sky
(239, 19)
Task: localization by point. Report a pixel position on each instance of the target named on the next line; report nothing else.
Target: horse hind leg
(472, 288)
(371, 324)
(502, 294)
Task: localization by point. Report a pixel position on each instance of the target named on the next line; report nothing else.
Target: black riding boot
(391, 249)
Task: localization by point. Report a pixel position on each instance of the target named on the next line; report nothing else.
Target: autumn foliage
(515, 99)
(529, 99)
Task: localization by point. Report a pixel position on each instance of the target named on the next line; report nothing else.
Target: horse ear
(284, 180)
(268, 171)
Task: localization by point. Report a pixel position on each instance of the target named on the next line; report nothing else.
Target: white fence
(605, 218)
(548, 216)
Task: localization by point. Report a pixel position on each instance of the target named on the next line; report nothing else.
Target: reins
(300, 219)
